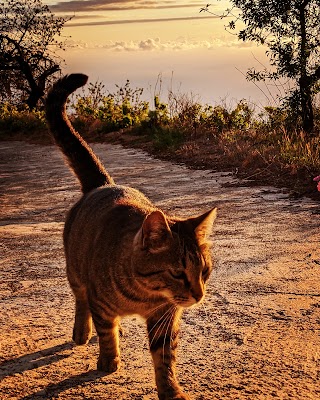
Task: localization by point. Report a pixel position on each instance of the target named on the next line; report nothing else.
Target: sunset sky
(115, 40)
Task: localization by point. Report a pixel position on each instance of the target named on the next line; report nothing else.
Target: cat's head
(173, 257)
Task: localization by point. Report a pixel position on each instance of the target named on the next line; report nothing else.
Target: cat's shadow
(69, 383)
(46, 357)
(34, 360)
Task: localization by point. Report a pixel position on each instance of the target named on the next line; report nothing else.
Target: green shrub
(23, 121)
(118, 110)
(167, 138)
(157, 117)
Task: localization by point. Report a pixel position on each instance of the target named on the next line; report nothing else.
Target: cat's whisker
(157, 324)
(163, 320)
(160, 320)
(165, 336)
(168, 320)
(157, 307)
(203, 306)
(153, 310)
(207, 318)
(171, 339)
(163, 315)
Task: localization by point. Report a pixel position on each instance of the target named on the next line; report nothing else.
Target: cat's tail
(86, 165)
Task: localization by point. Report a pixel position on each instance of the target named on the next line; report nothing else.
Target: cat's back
(112, 211)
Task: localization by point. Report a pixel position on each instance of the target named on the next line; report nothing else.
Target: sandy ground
(257, 335)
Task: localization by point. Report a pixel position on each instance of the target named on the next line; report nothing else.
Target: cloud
(134, 21)
(112, 5)
(157, 45)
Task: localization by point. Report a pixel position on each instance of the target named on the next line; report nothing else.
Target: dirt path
(257, 336)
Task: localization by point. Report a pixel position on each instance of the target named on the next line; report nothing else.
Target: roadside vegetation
(266, 146)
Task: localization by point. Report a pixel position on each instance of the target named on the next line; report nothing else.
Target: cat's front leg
(108, 332)
(163, 339)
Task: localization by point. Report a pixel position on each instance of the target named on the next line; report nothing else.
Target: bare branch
(29, 35)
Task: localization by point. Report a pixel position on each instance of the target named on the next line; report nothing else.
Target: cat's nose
(197, 295)
(198, 298)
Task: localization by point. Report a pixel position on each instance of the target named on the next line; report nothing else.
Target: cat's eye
(205, 271)
(184, 262)
(178, 275)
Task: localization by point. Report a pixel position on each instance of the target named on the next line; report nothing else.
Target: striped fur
(125, 256)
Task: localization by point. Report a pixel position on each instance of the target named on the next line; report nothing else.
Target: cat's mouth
(186, 302)
(181, 301)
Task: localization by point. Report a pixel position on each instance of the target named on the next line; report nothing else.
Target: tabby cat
(125, 256)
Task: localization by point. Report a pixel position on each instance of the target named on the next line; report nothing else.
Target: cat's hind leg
(82, 330)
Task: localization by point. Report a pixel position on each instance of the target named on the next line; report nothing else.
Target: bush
(167, 138)
(118, 110)
(23, 121)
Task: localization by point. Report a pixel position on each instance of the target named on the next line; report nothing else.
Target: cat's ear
(156, 232)
(202, 225)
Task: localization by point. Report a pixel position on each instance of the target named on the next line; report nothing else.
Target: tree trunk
(306, 107)
(34, 97)
(305, 82)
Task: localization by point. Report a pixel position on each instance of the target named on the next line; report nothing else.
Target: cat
(125, 256)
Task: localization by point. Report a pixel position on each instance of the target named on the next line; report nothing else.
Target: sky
(116, 40)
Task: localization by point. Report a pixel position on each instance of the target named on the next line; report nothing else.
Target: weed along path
(256, 336)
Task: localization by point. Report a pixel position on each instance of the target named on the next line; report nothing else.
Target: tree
(29, 38)
(290, 30)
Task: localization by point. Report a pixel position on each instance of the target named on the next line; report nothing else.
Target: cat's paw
(81, 336)
(181, 396)
(175, 396)
(108, 365)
